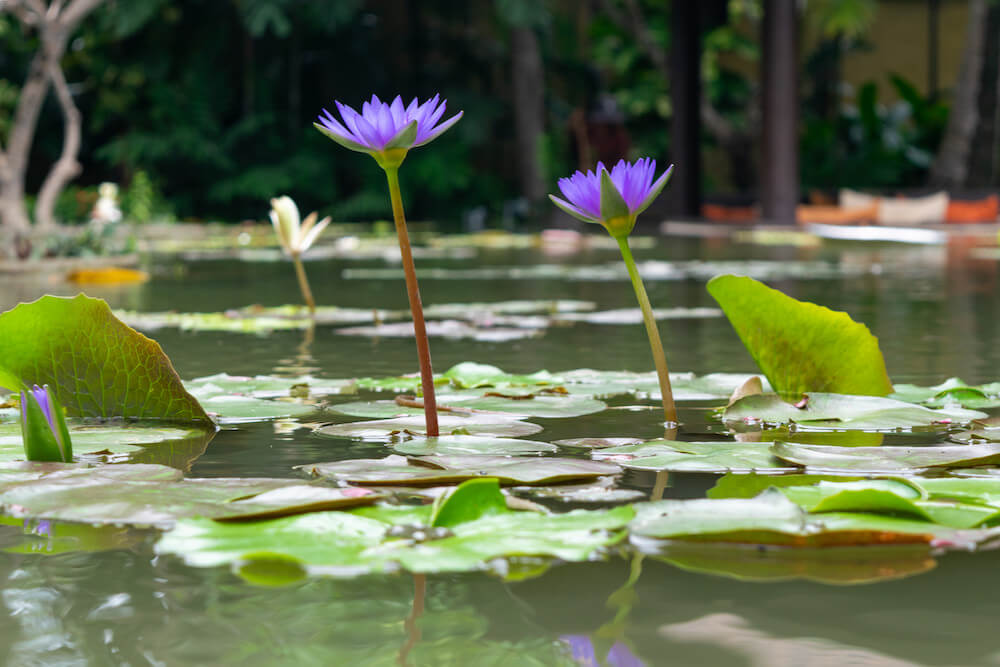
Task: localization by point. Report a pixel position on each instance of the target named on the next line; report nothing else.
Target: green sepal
(655, 190)
(346, 143)
(405, 138)
(613, 205)
(40, 442)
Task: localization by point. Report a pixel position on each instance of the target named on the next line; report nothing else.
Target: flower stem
(300, 273)
(669, 410)
(416, 309)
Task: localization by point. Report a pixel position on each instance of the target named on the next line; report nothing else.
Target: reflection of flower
(387, 131)
(612, 198)
(295, 237)
(581, 648)
(46, 440)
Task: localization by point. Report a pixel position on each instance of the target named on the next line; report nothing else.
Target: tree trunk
(54, 24)
(951, 168)
(529, 110)
(66, 167)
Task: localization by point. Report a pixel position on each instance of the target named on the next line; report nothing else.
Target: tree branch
(66, 168)
(77, 11)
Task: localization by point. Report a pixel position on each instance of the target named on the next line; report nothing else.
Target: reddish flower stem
(416, 308)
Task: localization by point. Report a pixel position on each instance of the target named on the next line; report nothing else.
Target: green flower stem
(416, 309)
(300, 273)
(669, 409)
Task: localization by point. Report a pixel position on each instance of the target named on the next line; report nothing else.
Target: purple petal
(621, 656)
(41, 395)
(439, 130)
(581, 650)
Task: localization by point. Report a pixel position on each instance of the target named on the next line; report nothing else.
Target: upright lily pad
(96, 365)
(799, 346)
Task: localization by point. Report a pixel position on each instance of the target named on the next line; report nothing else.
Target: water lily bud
(43, 427)
(294, 235)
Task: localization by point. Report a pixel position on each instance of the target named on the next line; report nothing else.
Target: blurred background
(201, 110)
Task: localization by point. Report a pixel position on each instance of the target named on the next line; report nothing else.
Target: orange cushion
(836, 215)
(979, 210)
(722, 213)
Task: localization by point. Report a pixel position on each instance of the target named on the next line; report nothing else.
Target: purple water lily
(381, 128)
(50, 442)
(583, 653)
(612, 198)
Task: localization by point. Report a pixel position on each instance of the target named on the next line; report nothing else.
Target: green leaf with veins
(94, 364)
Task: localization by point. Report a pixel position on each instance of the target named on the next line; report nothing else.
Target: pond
(933, 308)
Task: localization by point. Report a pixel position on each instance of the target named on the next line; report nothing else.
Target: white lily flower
(295, 237)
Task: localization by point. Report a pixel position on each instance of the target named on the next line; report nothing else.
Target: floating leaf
(471, 444)
(517, 405)
(951, 392)
(146, 495)
(116, 443)
(839, 411)
(453, 469)
(267, 386)
(671, 455)
(840, 565)
(345, 543)
(451, 329)
(799, 346)
(886, 459)
(384, 430)
(634, 315)
(471, 500)
(771, 518)
(94, 364)
(597, 443)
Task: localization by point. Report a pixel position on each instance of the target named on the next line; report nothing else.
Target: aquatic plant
(43, 427)
(387, 132)
(615, 199)
(296, 237)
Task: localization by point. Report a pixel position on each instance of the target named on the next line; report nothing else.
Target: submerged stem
(300, 273)
(669, 409)
(416, 309)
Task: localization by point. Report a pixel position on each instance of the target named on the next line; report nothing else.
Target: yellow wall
(899, 45)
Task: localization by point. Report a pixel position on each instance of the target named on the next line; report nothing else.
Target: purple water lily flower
(583, 653)
(387, 131)
(612, 198)
(48, 443)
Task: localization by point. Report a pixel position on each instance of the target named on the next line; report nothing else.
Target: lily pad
(348, 543)
(175, 445)
(771, 518)
(517, 405)
(471, 444)
(96, 365)
(799, 346)
(143, 495)
(385, 430)
(886, 459)
(672, 455)
(634, 315)
(451, 329)
(840, 565)
(840, 411)
(952, 391)
(267, 386)
(439, 470)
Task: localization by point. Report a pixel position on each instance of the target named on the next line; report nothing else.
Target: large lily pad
(451, 329)
(385, 430)
(771, 518)
(799, 346)
(96, 365)
(268, 386)
(672, 455)
(887, 459)
(839, 411)
(474, 529)
(144, 495)
(453, 469)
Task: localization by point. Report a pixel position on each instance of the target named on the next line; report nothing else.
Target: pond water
(934, 310)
